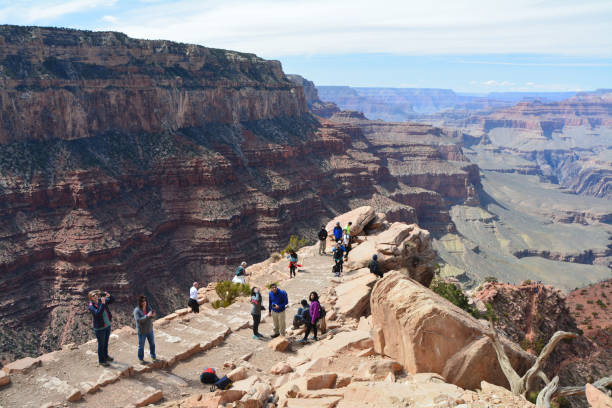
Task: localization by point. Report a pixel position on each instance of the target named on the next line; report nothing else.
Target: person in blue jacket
(277, 303)
(102, 318)
(337, 232)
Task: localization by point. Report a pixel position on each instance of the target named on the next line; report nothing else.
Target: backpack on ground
(209, 376)
(222, 383)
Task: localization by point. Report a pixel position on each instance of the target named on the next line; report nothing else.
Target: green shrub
(590, 302)
(601, 304)
(269, 285)
(560, 402)
(228, 291)
(295, 243)
(528, 282)
(453, 294)
(276, 257)
(532, 396)
(579, 306)
(491, 279)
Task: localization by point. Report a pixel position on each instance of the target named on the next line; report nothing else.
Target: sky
(467, 45)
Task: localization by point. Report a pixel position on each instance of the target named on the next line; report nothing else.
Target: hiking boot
(275, 335)
(143, 362)
(109, 358)
(261, 336)
(155, 360)
(104, 364)
(315, 339)
(303, 341)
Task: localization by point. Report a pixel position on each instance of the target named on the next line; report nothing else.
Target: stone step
(130, 392)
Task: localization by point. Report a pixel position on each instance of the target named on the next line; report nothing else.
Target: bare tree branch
(600, 384)
(516, 384)
(550, 346)
(544, 397)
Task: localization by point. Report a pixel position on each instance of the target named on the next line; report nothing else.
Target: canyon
(139, 166)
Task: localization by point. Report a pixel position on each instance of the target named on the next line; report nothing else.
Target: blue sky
(469, 45)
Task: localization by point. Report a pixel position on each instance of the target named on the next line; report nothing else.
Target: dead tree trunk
(520, 385)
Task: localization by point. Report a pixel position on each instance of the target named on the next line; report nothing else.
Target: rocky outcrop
(426, 333)
(359, 219)
(316, 105)
(402, 246)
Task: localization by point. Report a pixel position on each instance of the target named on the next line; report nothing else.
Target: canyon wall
(139, 166)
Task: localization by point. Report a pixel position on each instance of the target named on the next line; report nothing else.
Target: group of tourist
(309, 314)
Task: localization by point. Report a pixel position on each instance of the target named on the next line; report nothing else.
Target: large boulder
(360, 217)
(402, 246)
(354, 295)
(426, 333)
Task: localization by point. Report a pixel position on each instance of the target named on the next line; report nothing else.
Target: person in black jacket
(322, 240)
(374, 267)
(102, 317)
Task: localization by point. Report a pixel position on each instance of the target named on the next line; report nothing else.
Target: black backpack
(209, 376)
(222, 383)
(322, 312)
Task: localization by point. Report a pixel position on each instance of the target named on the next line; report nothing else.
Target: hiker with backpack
(240, 273)
(277, 303)
(322, 240)
(337, 232)
(314, 313)
(302, 314)
(338, 258)
(293, 260)
(257, 307)
(193, 298)
(102, 318)
(375, 267)
(144, 314)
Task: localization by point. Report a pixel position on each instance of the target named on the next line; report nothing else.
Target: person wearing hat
(374, 267)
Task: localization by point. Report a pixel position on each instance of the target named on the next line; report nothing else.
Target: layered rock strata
(139, 166)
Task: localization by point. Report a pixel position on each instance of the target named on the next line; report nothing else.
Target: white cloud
(298, 27)
(273, 28)
(494, 83)
(110, 19)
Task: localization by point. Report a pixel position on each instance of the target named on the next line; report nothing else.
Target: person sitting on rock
(375, 267)
(314, 314)
(102, 318)
(293, 260)
(240, 273)
(322, 240)
(193, 298)
(277, 303)
(337, 232)
(302, 315)
(144, 314)
(338, 257)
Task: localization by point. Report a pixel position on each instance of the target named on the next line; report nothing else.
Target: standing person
(277, 303)
(315, 314)
(346, 241)
(193, 298)
(322, 240)
(374, 267)
(338, 257)
(256, 309)
(347, 229)
(337, 232)
(144, 314)
(102, 318)
(240, 273)
(293, 260)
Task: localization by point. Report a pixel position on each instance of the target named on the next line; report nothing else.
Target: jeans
(141, 343)
(256, 320)
(194, 305)
(103, 335)
(309, 327)
(278, 318)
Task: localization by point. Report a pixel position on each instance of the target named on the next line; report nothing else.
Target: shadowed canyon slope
(138, 166)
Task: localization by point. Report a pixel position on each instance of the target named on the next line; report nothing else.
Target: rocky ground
(356, 362)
